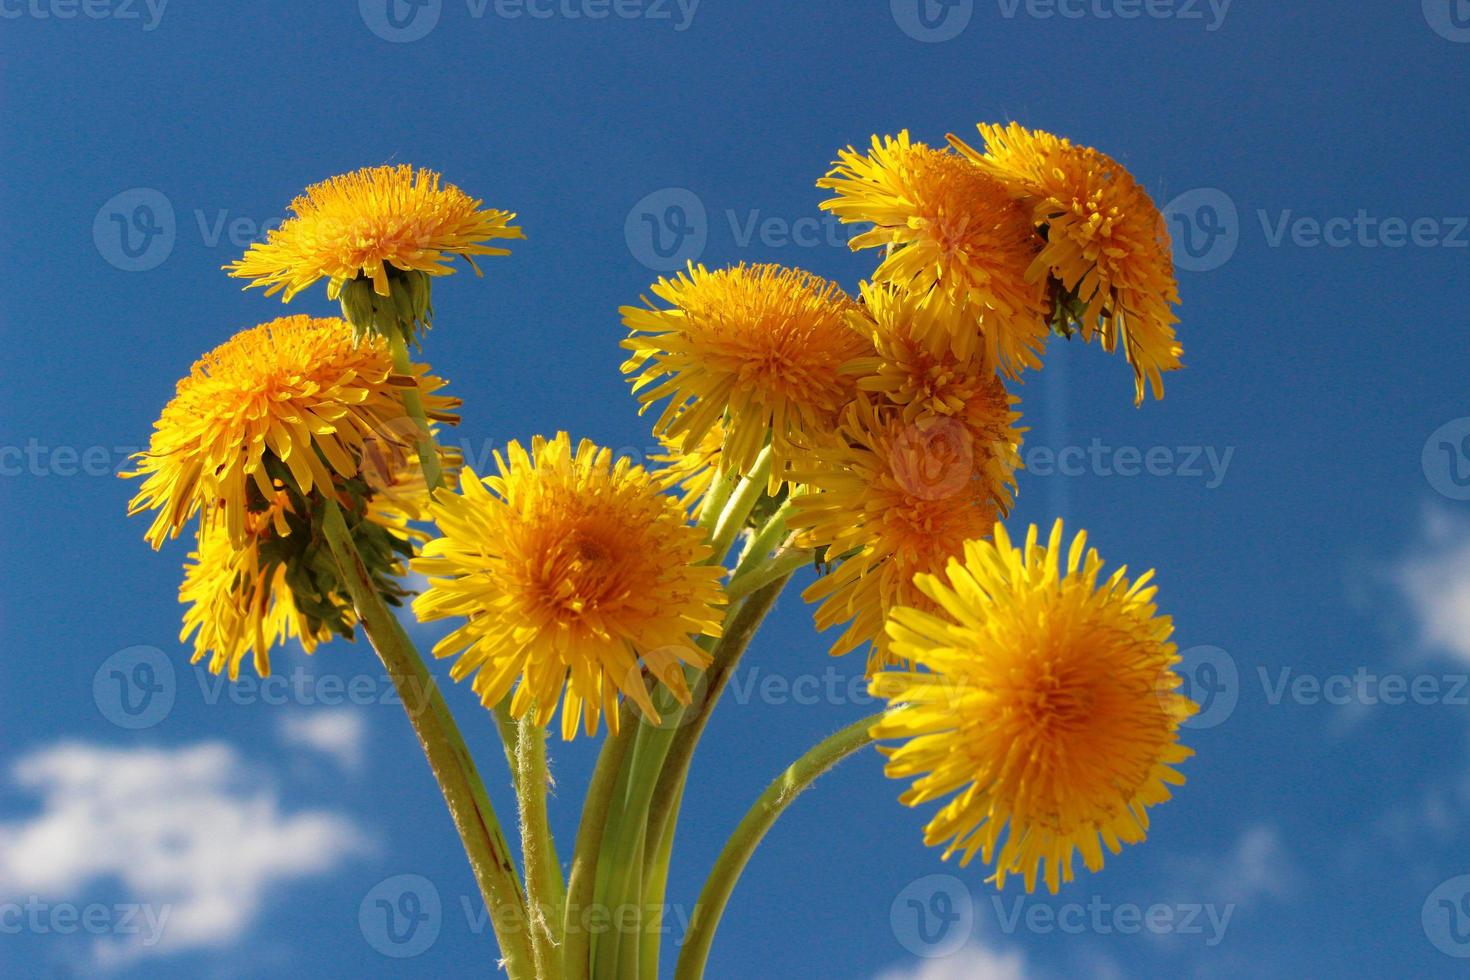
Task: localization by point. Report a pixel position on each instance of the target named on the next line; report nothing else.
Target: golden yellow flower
(894, 498)
(914, 369)
(292, 399)
(1046, 700)
(694, 471)
(282, 582)
(365, 221)
(1106, 242)
(569, 568)
(946, 223)
(760, 347)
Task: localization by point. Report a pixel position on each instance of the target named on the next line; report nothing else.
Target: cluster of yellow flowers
(872, 435)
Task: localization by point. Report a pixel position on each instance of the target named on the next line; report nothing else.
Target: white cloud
(1436, 582)
(183, 832)
(1258, 866)
(974, 962)
(338, 733)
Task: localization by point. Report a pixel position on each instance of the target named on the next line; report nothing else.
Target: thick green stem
(748, 834)
(582, 882)
(444, 747)
(545, 892)
(780, 566)
(414, 405)
(735, 512)
(739, 631)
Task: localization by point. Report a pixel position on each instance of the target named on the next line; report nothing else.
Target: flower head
(896, 498)
(760, 347)
(362, 223)
(569, 569)
(948, 224)
(293, 400)
(1046, 701)
(692, 471)
(1106, 243)
(281, 582)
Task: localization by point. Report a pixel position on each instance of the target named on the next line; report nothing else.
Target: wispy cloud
(186, 834)
(338, 733)
(974, 962)
(1257, 867)
(1436, 582)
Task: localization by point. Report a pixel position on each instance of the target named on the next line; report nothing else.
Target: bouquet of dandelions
(871, 437)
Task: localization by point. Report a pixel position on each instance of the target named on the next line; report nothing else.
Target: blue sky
(1301, 490)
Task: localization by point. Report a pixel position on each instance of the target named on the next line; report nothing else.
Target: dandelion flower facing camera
(759, 347)
(370, 221)
(573, 573)
(955, 237)
(1046, 701)
(293, 400)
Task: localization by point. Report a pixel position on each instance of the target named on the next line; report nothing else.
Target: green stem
(734, 514)
(748, 834)
(582, 883)
(766, 540)
(545, 892)
(782, 565)
(444, 747)
(414, 405)
(739, 631)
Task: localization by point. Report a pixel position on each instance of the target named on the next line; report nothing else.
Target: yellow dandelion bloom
(760, 347)
(946, 223)
(916, 371)
(570, 569)
(1046, 700)
(294, 398)
(893, 499)
(1106, 242)
(278, 584)
(362, 223)
(694, 471)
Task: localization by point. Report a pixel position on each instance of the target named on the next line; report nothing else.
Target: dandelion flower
(694, 471)
(293, 398)
(760, 347)
(276, 585)
(370, 220)
(894, 499)
(1046, 701)
(1106, 242)
(569, 569)
(915, 371)
(948, 224)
